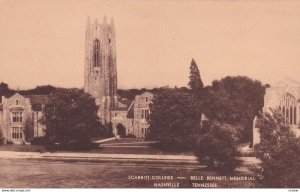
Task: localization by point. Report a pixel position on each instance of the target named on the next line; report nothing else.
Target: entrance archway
(121, 130)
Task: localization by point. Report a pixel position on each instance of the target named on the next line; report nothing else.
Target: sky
(42, 41)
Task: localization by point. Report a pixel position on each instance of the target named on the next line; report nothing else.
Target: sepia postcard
(149, 94)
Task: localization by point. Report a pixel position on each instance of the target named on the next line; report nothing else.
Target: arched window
(96, 53)
(288, 108)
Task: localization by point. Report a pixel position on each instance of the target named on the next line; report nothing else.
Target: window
(146, 99)
(288, 108)
(17, 116)
(96, 53)
(17, 133)
(17, 102)
(145, 113)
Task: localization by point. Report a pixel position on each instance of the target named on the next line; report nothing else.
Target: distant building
(285, 96)
(17, 112)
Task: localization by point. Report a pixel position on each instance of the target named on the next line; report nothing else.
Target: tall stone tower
(100, 76)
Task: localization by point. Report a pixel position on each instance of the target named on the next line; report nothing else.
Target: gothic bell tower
(100, 76)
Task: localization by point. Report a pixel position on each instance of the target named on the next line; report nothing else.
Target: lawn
(102, 150)
(22, 148)
(120, 146)
(58, 174)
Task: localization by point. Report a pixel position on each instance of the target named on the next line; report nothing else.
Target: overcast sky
(42, 42)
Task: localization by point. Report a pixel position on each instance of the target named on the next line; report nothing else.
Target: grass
(22, 148)
(47, 174)
(113, 148)
(100, 150)
(124, 140)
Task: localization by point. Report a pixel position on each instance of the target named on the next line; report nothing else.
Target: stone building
(100, 76)
(100, 80)
(141, 113)
(122, 118)
(285, 96)
(17, 112)
(128, 117)
(132, 117)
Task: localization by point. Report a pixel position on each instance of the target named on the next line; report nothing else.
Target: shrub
(174, 144)
(1, 138)
(218, 148)
(39, 141)
(130, 136)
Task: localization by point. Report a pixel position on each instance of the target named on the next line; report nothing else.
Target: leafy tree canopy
(279, 152)
(5, 90)
(218, 147)
(171, 119)
(39, 90)
(234, 100)
(131, 93)
(70, 115)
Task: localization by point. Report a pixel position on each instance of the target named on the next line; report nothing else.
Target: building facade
(17, 114)
(285, 96)
(128, 117)
(141, 113)
(100, 76)
(133, 117)
(100, 80)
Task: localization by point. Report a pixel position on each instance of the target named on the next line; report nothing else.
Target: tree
(196, 86)
(39, 90)
(195, 82)
(70, 117)
(218, 148)
(278, 151)
(236, 101)
(171, 119)
(28, 130)
(5, 90)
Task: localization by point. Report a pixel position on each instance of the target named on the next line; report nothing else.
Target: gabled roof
(17, 95)
(130, 113)
(287, 82)
(145, 93)
(123, 104)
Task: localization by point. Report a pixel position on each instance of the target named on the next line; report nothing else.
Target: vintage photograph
(149, 94)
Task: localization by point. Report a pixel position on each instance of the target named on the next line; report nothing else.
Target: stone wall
(273, 100)
(141, 111)
(19, 104)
